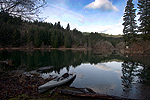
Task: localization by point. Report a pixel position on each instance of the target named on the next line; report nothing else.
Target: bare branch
(23, 8)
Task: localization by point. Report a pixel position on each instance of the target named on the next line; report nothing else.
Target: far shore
(19, 48)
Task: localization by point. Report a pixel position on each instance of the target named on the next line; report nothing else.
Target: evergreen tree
(52, 38)
(15, 38)
(58, 25)
(129, 22)
(56, 40)
(49, 38)
(37, 37)
(46, 37)
(144, 12)
(61, 38)
(68, 27)
(30, 35)
(24, 38)
(67, 40)
(55, 25)
(5, 34)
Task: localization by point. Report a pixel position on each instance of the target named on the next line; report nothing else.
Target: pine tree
(144, 12)
(130, 24)
(67, 40)
(58, 25)
(68, 27)
(15, 39)
(37, 37)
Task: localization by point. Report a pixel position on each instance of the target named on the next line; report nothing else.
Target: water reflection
(59, 59)
(133, 73)
(128, 73)
(103, 67)
(107, 74)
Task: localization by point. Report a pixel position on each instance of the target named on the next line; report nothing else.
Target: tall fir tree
(129, 24)
(144, 12)
(58, 25)
(67, 40)
(68, 27)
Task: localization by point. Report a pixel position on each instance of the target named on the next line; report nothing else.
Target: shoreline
(123, 51)
(62, 49)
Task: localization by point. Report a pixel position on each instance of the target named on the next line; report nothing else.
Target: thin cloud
(103, 5)
(108, 29)
(63, 15)
(71, 13)
(66, 10)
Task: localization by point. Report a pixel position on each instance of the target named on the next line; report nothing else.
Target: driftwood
(85, 90)
(92, 95)
(90, 90)
(54, 90)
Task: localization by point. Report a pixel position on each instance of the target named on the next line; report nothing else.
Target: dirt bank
(140, 47)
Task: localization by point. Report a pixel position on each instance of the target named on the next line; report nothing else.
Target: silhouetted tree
(144, 12)
(58, 25)
(129, 22)
(68, 27)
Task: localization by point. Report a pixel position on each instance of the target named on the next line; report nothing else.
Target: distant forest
(15, 32)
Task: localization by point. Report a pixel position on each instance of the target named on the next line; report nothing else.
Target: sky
(102, 16)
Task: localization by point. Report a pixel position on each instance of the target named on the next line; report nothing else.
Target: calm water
(112, 74)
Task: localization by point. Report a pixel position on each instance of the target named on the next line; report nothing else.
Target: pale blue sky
(87, 15)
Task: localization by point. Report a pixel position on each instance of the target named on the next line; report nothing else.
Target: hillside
(15, 32)
(139, 47)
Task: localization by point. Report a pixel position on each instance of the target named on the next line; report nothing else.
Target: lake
(113, 74)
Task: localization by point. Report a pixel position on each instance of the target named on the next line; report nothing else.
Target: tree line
(15, 32)
(132, 31)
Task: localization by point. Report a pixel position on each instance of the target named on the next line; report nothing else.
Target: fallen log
(92, 95)
(90, 90)
(53, 91)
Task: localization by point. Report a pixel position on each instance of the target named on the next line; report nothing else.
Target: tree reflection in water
(133, 72)
(144, 75)
(127, 77)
